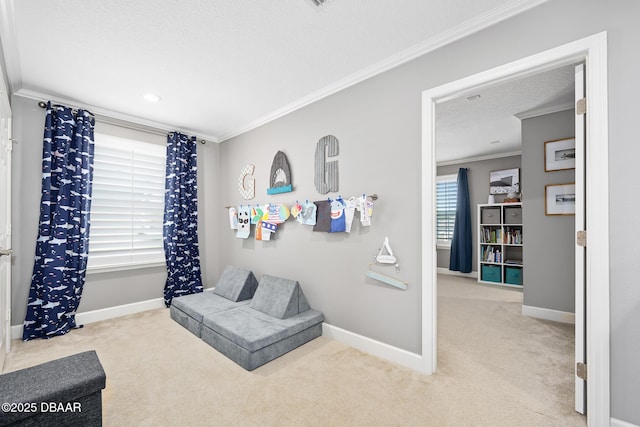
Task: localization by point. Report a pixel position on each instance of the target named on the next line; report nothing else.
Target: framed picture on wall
(560, 199)
(504, 181)
(560, 154)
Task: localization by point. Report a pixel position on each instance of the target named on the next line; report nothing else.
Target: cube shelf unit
(500, 244)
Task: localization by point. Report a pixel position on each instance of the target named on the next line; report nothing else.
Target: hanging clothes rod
(374, 197)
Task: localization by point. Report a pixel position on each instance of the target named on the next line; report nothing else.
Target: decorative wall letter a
(326, 173)
(247, 187)
(280, 175)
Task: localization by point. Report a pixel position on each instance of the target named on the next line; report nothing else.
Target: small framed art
(560, 199)
(560, 154)
(504, 181)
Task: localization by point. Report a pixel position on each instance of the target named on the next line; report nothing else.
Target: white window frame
(443, 244)
(117, 210)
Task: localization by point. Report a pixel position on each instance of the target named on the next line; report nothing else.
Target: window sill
(123, 267)
(444, 246)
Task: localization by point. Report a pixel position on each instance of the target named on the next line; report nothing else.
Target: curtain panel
(180, 228)
(62, 246)
(461, 244)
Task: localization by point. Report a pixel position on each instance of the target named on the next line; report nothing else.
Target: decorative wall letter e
(247, 187)
(326, 173)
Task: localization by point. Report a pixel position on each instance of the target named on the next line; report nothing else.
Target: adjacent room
(318, 213)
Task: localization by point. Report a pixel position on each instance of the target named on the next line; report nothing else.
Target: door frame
(5, 291)
(592, 50)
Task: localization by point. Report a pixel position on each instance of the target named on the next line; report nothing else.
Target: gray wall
(385, 112)
(478, 194)
(102, 290)
(548, 251)
(378, 123)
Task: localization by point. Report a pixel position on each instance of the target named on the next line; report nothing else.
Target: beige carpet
(496, 368)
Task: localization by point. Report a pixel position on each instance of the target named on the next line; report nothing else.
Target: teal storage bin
(491, 273)
(513, 276)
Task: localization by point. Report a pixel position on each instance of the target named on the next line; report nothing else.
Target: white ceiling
(223, 67)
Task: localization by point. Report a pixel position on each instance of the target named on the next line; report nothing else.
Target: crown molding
(545, 110)
(113, 117)
(456, 33)
(479, 158)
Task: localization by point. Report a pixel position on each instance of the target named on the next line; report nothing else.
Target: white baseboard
(107, 313)
(104, 314)
(619, 423)
(548, 314)
(442, 270)
(373, 347)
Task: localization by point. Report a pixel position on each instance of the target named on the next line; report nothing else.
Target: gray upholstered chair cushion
(281, 298)
(197, 305)
(236, 284)
(253, 330)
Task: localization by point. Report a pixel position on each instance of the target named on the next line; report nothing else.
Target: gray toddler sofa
(275, 321)
(63, 392)
(235, 288)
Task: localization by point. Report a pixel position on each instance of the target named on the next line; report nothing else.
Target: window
(446, 199)
(127, 208)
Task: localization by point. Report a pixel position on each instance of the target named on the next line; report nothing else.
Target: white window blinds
(127, 205)
(446, 201)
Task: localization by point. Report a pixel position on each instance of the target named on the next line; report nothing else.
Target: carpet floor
(495, 368)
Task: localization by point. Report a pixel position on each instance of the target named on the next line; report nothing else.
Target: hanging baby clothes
(295, 210)
(323, 216)
(244, 222)
(338, 224)
(349, 212)
(233, 218)
(365, 206)
(276, 213)
(256, 214)
(307, 215)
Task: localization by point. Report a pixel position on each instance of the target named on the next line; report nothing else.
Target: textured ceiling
(467, 128)
(220, 66)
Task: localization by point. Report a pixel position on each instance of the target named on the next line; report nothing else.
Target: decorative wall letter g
(326, 173)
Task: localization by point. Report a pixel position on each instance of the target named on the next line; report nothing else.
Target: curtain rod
(43, 104)
(114, 122)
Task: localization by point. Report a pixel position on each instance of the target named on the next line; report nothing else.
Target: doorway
(593, 51)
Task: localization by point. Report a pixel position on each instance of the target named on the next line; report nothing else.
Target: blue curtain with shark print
(63, 233)
(180, 229)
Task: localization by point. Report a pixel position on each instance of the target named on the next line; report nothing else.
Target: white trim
(548, 314)
(10, 45)
(105, 314)
(479, 158)
(465, 29)
(619, 423)
(542, 111)
(472, 275)
(594, 50)
(376, 348)
(113, 117)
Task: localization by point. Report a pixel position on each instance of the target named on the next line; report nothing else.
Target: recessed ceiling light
(473, 98)
(151, 97)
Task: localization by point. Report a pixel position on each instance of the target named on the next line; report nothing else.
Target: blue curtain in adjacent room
(63, 234)
(180, 230)
(461, 245)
